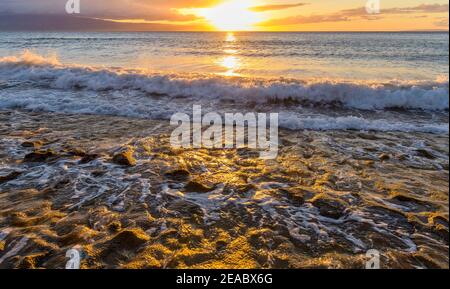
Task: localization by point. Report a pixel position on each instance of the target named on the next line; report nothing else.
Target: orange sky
(258, 15)
(325, 15)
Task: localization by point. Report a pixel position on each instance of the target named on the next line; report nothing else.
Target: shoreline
(328, 198)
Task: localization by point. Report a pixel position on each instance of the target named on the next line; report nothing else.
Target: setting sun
(230, 16)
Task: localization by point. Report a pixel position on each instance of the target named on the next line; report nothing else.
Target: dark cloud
(151, 10)
(75, 23)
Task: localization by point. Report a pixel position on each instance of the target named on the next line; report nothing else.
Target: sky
(226, 15)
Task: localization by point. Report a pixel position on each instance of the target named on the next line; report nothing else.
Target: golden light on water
(230, 37)
(231, 62)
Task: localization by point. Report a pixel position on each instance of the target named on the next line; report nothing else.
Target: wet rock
(220, 245)
(31, 261)
(128, 239)
(24, 195)
(297, 199)
(331, 179)
(77, 152)
(125, 157)
(370, 149)
(98, 173)
(32, 144)
(9, 177)
(185, 208)
(77, 235)
(425, 260)
(180, 175)
(123, 246)
(384, 157)
(404, 198)
(437, 219)
(295, 195)
(425, 154)
(40, 156)
(88, 158)
(440, 226)
(115, 227)
(368, 136)
(246, 153)
(412, 202)
(403, 157)
(32, 253)
(328, 206)
(392, 215)
(196, 187)
(442, 231)
(308, 154)
(287, 142)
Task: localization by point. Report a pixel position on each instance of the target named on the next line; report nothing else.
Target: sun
(233, 15)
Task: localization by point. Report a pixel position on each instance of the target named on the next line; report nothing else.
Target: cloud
(304, 20)
(265, 8)
(356, 13)
(423, 8)
(442, 22)
(151, 10)
(58, 6)
(73, 23)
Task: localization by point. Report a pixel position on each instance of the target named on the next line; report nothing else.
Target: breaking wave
(49, 72)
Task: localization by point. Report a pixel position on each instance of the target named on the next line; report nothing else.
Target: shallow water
(327, 199)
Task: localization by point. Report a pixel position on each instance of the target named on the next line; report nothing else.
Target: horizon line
(236, 31)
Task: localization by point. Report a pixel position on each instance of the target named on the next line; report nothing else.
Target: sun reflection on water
(230, 62)
(230, 37)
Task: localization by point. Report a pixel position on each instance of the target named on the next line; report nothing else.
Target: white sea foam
(144, 107)
(357, 95)
(37, 83)
(357, 123)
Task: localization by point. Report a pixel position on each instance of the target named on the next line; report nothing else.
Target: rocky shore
(115, 189)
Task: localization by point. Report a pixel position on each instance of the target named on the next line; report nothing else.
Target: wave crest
(49, 71)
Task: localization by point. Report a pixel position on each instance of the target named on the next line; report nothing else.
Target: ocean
(87, 162)
(316, 81)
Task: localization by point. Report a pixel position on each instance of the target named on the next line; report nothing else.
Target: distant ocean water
(319, 81)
